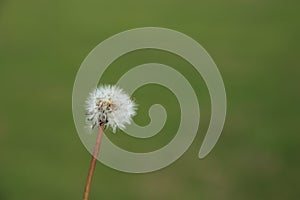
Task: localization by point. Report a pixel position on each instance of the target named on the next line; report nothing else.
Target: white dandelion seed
(110, 106)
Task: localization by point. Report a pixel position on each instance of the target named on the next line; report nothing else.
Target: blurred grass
(256, 47)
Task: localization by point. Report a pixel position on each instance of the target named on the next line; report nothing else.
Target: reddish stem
(93, 164)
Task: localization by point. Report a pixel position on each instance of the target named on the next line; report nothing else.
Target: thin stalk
(93, 164)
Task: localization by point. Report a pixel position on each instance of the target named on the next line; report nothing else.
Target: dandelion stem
(93, 164)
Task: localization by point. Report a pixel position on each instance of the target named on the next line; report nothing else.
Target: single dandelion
(107, 107)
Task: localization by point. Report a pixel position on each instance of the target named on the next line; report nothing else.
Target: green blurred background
(256, 47)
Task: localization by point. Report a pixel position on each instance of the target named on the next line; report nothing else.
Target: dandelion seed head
(110, 106)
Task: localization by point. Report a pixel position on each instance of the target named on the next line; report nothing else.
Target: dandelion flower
(106, 106)
(109, 106)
